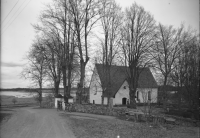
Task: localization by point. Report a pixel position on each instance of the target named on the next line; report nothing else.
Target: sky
(17, 33)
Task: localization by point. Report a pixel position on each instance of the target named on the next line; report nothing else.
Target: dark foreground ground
(87, 125)
(34, 122)
(26, 120)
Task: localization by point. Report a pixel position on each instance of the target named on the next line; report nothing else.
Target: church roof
(118, 74)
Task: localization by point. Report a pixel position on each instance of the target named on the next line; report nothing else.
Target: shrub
(14, 100)
(49, 98)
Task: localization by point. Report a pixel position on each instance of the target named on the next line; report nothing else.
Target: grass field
(106, 128)
(7, 100)
(8, 108)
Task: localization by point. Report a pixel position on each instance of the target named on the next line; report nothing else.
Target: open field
(8, 108)
(7, 100)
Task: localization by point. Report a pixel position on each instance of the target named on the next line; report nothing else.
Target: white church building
(147, 87)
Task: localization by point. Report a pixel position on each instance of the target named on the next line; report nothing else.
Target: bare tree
(111, 16)
(56, 21)
(186, 71)
(53, 61)
(167, 47)
(36, 68)
(84, 14)
(136, 40)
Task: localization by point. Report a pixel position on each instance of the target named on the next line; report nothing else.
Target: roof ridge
(118, 76)
(122, 66)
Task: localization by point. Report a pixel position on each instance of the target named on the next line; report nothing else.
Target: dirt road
(36, 123)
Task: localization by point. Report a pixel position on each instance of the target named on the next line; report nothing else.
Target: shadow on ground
(5, 109)
(4, 116)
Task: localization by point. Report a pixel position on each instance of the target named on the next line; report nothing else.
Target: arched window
(95, 92)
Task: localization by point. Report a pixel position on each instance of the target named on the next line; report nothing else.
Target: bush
(49, 98)
(14, 100)
(194, 114)
(101, 110)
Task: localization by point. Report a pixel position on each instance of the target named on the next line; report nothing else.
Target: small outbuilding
(60, 101)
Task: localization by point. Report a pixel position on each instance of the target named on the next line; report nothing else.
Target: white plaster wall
(71, 100)
(154, 95)
(105, 101)
(95, 90)
(122, 93)
(74, 96)
(56, 103)
(63, 104)
(59, 99)
(143, 96)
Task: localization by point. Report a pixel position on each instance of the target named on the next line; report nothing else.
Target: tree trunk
(133, 83)
(108, 101)
(81, 83)
(69, 79)
(40, 94)
(109, 93)
(165, 93)
(179, 96)
(132, 98)
(56, 86)
(64, 79)
(109, 84)
(41, 99)
(102, 99)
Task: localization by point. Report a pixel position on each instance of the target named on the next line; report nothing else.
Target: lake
(20, 94)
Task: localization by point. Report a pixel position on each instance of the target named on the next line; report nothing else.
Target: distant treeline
(35, 89)
(24, 89)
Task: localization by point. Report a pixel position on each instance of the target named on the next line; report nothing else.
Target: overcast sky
(17, 33)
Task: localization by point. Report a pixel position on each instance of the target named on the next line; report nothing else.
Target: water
(20, 94)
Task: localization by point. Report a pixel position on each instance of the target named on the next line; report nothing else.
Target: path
(36, 123)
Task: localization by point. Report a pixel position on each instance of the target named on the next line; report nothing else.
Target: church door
(124, 101)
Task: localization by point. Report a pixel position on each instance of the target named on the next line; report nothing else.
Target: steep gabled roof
(118, 75)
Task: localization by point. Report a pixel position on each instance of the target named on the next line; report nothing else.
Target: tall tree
(56, 19)
(52, 60)
(84, 14)
(167, 47)
(136, 40)
(186, 71)
(111, 16)
(36, 68)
